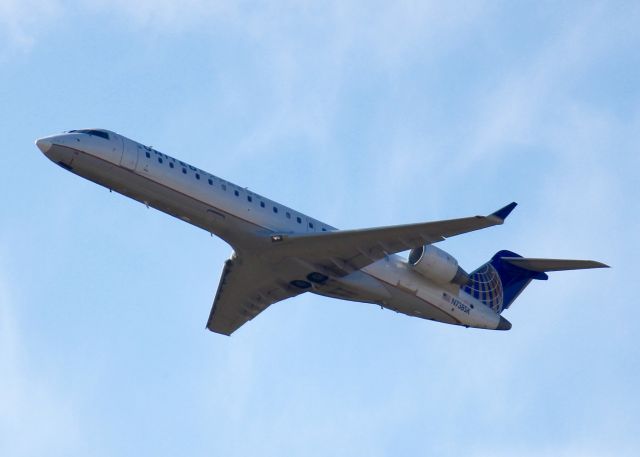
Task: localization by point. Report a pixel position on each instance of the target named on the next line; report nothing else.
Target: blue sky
(360, 114)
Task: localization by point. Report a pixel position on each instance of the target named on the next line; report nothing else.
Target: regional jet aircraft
(280, 253)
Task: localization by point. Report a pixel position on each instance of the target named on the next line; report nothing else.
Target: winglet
(502, 213)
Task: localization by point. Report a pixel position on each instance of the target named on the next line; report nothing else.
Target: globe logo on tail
(485, 285)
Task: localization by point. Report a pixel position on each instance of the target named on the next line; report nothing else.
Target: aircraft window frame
(92, 132)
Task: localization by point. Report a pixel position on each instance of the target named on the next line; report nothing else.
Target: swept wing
(250, 283)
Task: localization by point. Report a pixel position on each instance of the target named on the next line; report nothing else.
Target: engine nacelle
(435, 264)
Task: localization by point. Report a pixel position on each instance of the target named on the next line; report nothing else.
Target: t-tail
(500, 281)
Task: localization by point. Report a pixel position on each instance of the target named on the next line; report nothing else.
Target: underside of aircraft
(280, 253)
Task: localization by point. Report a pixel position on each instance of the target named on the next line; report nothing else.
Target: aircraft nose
(44, 144)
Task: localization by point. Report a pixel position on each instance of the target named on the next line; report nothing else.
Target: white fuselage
(243, 219)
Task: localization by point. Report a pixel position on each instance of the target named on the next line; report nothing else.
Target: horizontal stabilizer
(542, 265)
(498, 282)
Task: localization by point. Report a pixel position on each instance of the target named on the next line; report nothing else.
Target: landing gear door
(129, 154)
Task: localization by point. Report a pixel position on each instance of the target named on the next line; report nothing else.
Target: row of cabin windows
(235, 192)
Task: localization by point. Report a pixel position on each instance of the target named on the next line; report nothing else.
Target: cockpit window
(100, 133)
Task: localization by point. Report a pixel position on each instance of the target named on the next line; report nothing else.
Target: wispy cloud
(338, 79)
(21, 21)
(530, 103)
(35, 417)
(310, 55)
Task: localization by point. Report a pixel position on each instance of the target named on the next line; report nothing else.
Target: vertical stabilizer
(498, 282)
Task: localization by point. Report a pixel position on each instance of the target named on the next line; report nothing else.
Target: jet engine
(435, 264)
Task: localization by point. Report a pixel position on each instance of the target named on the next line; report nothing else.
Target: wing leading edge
(344, 251)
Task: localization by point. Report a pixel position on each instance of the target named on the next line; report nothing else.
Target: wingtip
(503, 212)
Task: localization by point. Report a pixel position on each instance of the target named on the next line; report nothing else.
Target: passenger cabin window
(275, 209)
(299, 220)
(224, 187)
(159, 159)
(262, 204)
(288, 214)
(171, 164)
(249, 198)
(310, 224)
(210, 182)
(197, 175)
(236, 193)
(184, 170)
(147, 154)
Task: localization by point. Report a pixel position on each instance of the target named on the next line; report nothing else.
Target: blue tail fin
(498, 283)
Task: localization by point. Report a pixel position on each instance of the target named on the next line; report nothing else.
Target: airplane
(279, 253)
